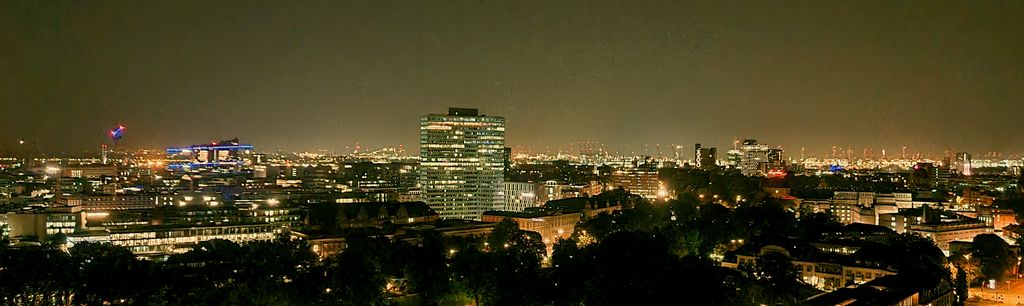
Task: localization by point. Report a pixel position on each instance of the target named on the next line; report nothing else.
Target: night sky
(304, 75)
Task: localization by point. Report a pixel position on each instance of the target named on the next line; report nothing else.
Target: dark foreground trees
(995, 256)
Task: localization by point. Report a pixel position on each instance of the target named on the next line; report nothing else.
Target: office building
(641, 180)
(519, 196)
(752, 156)
(462, 162)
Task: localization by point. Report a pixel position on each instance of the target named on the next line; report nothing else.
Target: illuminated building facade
(156, 240)
(945, 232)
(641, 180)
(368, 214)
(826, 266)
(41, 225)
(377, 175)
(757, 159)
(975, 198)
(216, 154)
(89, 171)
(752, 155)
(519, 196)
(462, 162)
(109, 202)
(550, 225)
(551, 190)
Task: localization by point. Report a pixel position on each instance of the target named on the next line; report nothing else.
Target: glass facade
(462, 163)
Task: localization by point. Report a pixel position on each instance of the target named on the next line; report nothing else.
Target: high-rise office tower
(758, 158)
(704, 158)
(753, 155)
(462, 162)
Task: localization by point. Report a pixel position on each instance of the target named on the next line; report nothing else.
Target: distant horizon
(666, 151)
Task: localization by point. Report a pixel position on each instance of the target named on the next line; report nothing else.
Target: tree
(472, 272)
(508, 272)
(968, 264)
(36, 276)
(994, 255)
(356, 276)
(811, 226)
(599, 226)
(716, 227)
(108, 274)
(768, 220)
(960, 287)
(781, 278)
(426, 268)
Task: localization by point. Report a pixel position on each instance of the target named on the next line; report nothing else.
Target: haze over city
(929, 75)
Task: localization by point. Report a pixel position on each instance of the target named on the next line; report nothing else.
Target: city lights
(511, 153)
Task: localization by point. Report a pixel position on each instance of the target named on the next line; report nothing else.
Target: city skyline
(523, 152)
(915, 74)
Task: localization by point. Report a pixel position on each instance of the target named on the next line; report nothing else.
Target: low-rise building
(552, 226)
(42, 224)
(826, 266)
(165, 240)
(89, 171)
(997, 218)
(945, 232)
(109, 202)
(892, 290)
